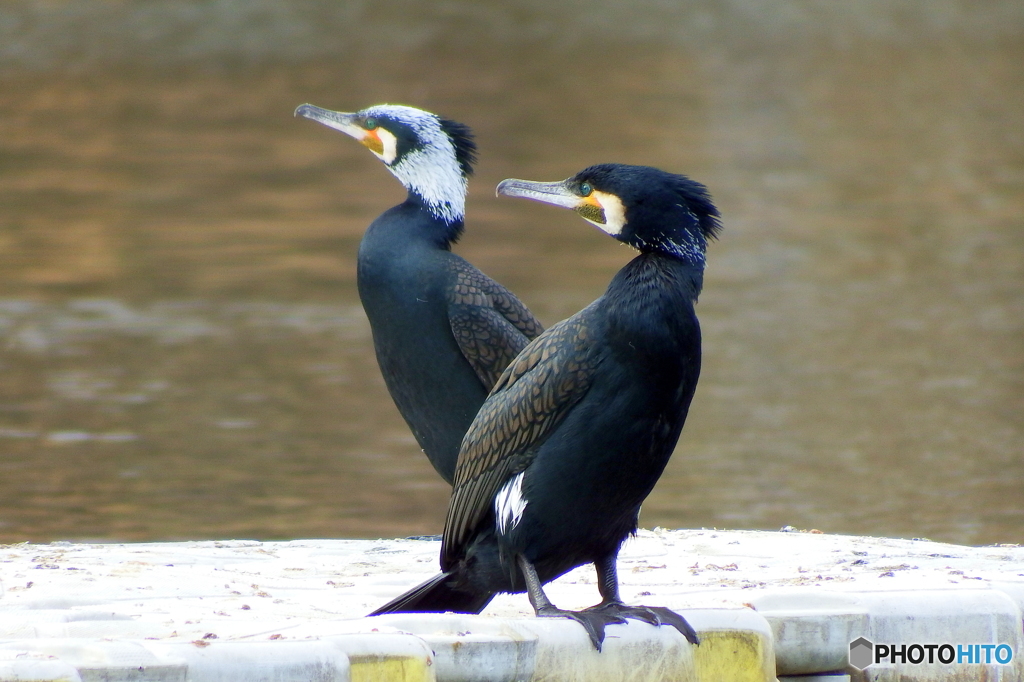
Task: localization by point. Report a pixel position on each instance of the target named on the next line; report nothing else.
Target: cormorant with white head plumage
(442, 330)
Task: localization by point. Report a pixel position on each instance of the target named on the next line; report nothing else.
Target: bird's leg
(538, 600)
(611, 603)
(592, 621)
(608, 580)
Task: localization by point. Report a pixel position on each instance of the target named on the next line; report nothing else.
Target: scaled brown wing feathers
(529, 400)
(489, 323)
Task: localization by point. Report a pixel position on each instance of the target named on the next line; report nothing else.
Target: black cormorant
(443, 331)
(580, 426)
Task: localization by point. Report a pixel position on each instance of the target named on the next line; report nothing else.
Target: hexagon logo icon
(862, 653)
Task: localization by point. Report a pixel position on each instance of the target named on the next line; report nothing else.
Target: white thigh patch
(509, 505)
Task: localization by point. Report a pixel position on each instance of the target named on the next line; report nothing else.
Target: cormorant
(442, 330)
(580, 426)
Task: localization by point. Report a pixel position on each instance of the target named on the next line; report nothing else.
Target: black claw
(595, 630)
(670, 617)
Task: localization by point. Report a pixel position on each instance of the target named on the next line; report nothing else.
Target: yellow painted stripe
(734, 655)
(390, 669)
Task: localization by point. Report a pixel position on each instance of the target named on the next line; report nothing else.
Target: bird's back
(409, 285)
(605, 458)
(590, 414)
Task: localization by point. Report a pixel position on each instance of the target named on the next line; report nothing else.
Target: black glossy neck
(429, 225)
(654, 275)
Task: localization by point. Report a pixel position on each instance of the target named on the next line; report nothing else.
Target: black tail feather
(437, 596)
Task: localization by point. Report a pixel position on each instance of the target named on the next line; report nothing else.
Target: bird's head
(649, 209)
(431, 156)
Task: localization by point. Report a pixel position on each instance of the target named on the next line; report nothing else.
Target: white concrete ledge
(765, 604)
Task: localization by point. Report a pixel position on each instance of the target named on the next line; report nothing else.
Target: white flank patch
(432, 171)
(509, 505)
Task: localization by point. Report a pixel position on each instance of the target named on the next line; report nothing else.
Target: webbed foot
(655, 615)
(593, 621)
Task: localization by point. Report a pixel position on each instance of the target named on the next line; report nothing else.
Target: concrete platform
(765, 604)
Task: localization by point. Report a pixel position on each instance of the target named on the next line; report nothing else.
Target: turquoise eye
(585, 189)
(370, 123)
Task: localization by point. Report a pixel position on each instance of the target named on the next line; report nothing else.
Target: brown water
(182, 351)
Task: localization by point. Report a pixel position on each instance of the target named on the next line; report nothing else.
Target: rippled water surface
(183, 354)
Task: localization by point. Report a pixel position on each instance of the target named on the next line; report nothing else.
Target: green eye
(370, 123)
(585, 189)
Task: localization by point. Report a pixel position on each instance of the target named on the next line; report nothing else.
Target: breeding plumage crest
(698, 200)
(436, 163)
(465, 146)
